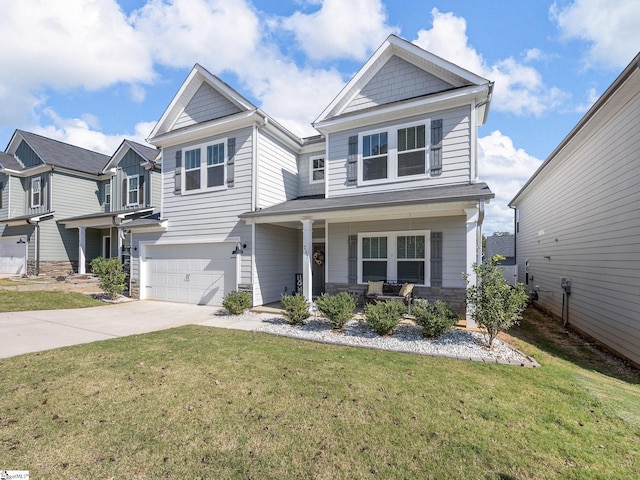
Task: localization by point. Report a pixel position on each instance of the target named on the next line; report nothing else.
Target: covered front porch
(416, 237)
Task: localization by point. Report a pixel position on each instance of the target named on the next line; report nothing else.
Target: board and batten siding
(454, 231)
(456, 155)
(397, 80)
(129, 166)
(206, 104)
(214, 213)
(276, 261)
(277, 172)
(579, 219)
(305, 187)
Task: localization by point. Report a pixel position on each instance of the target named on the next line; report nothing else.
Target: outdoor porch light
(21, 240)
(239, 248)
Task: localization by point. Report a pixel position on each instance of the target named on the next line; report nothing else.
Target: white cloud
(519, 88)
(611, 29)
(505, 169)
(84, 132)
(219, 34)
(340, 29)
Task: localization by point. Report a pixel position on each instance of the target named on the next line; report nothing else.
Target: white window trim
(137, 202)
(392, 153)
(33, 204)
(107, 185)
(311, 169)
(203, 167)
(392, 248)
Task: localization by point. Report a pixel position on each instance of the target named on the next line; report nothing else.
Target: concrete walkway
(34, 331)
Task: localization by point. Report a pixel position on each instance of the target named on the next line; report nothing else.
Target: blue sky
(91, 73)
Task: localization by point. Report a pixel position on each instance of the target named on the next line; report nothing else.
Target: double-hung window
(36, 192)
(374, 156)
(133, 191)
(412, 156)
(397, 153)
(316, 170)
(107, 195)
(204, 167)
(394, 256)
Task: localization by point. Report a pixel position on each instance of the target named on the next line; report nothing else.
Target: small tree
(495, 305)
(237, 302)
(296, 309)
(111, 275)
(337, 308)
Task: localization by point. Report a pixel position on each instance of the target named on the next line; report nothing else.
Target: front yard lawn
(199, 402)
(14, 301)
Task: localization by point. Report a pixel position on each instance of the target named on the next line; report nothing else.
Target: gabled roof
(450, 74)
(196, 78)
(59, 154)
(146, 152)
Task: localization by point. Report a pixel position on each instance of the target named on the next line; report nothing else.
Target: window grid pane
(215, 154)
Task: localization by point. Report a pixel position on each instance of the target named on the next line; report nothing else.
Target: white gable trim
(198, 75)
(394, 45)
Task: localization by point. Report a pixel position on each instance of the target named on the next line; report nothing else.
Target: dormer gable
(398, 76)
(203, 97)
(144, 153)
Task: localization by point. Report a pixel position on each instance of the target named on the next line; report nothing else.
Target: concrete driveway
(34, 331)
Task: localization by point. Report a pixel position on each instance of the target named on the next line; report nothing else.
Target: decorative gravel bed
(457, 343)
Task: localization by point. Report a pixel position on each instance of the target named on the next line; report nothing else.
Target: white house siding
(396, 80)
(304, 165)
(206, 104)
(276, 260)
(456, 155)
(212, 214)
(453, 244)
(155, 187)
(277, 172)
(579, 219)
(4, 198)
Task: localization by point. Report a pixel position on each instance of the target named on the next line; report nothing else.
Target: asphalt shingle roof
(59, 154)
(9, 161)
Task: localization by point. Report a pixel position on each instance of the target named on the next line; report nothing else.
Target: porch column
(472, 252)
(82, 245)
(307, 252)
(121, 235)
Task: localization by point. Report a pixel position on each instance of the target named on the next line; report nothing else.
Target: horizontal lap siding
(582, 213)
(276, 258)
(453, 245)
(213, 213)
(277, 172)
(206, 104)
(456, 155)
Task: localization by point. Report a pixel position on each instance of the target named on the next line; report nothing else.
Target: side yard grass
(14, 301)
(199, 402)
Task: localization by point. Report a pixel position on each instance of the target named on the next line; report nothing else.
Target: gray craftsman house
(387, 190)
(61, 205)
(578, 222)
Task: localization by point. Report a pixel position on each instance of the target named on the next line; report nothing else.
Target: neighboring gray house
(389, 190)
(61, 205)
(504, 245)
(578, 222)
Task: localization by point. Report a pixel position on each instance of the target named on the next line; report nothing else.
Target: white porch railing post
(307, 252)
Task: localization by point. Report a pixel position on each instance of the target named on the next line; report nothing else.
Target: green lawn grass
(14, 301)
(199, 402)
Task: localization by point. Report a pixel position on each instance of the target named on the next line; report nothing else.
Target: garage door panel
(13, 256)
(202, 273)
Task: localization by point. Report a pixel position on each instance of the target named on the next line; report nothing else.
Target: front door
(106, 246)
(317, 270)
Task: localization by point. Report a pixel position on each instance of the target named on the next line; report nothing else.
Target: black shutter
(436, 147)
(178, 175)
(352, 161)
(353, 259)
(231, 161)
(124, 192)
(141, 201)
(436, 259)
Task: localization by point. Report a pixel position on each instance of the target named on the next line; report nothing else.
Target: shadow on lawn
(547, 334)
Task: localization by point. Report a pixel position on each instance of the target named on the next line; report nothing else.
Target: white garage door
(199, 273)
(13, 256)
